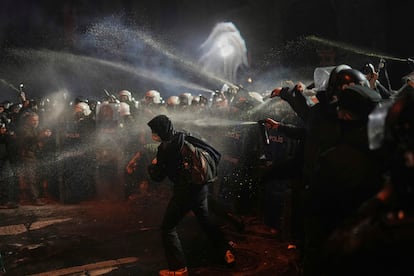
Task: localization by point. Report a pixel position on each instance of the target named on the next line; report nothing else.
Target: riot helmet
(82, 108)
(195, 100)
(152, 97)
(173, 101)
(344, 78)
(185, 98)
(124, 96)
(333, 78)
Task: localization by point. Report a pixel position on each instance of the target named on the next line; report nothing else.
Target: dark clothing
(321, 123)
(193, 199)
(169, 162)
(347, 175)
(283, 168)
(8, 178)
(29, 149)
(78, 163)
(339, 172)
(383, 91)
(186, 197)
(374, 242)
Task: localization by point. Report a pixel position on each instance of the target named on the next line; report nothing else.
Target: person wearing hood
(186, 197)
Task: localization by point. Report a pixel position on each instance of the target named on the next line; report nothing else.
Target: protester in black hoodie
(186, 197)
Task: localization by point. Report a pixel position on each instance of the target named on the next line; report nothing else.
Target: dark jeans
(192, 199)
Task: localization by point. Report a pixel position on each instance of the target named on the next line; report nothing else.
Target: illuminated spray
(9, 85)
(186, 64)
(224, 51)
(86, 61)
(351, 48)
(105, 30)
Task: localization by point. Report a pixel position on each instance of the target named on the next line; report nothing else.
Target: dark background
(42, 41)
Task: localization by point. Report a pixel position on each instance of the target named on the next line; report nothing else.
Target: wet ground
(123, 238)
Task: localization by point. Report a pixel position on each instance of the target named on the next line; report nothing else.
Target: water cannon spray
(410, 62)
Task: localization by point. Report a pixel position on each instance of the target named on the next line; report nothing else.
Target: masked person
(323, 132)
(187, 196)
(378, 239)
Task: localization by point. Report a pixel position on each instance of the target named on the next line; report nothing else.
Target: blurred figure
(280, 175)
(347, 175)
(125, 96)
(9, 186)
(323, 132)
(29, 145)
(407, 86)
(220, 104)
(378, 239)
(199, 106)
(152, 104)
(172, 104)
(126, 120)
(77, 166)
(109, 180)
(185, 101)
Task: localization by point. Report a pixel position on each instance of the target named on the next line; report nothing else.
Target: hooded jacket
(168, 154)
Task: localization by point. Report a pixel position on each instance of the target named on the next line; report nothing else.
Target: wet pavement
(123, 238)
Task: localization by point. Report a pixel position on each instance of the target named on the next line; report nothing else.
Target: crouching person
(187, 196)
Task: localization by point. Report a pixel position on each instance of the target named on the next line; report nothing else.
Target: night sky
(55, 45)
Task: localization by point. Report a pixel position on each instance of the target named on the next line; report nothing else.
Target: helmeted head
(124, 96)
(152, 97)
(356, 102)
(83, 108)
(195, 100)
(342, 77)
(15, 108)
(333, 75)
(203, 100)
(173, 101)
(185, 98)
(162, 126)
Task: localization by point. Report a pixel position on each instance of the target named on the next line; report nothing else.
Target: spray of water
(6, 83)
(116, 32)
(351, 48)
(224, 51)
(92, 66)
(186, 120)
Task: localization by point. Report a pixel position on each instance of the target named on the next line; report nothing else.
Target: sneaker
(179, 272)
(229, 257)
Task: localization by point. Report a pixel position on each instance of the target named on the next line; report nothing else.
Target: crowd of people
(314, 163)
(80, 149)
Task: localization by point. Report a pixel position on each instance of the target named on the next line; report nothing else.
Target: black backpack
(199, 160)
